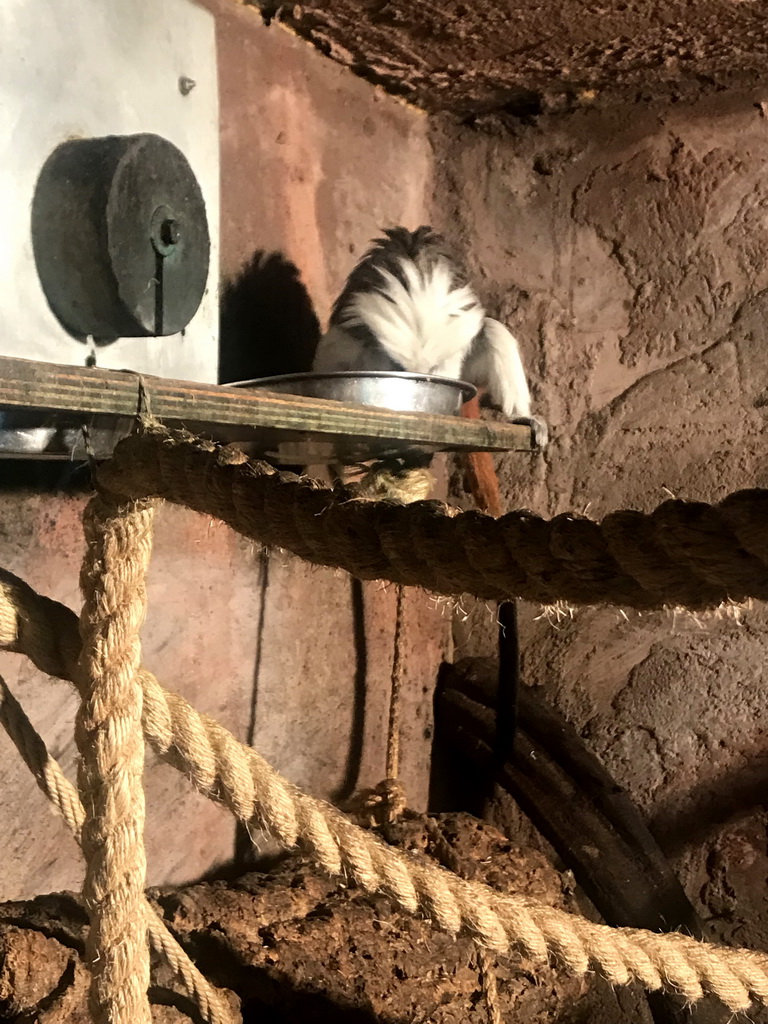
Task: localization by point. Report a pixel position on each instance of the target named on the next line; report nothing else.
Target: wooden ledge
(286, 428)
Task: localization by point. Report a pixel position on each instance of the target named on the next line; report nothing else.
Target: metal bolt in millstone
(169, 232)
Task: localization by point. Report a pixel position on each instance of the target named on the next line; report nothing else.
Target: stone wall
(629, 252)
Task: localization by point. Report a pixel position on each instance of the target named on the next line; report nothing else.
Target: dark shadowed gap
(357, 735)
(243, 853)
(507, 694)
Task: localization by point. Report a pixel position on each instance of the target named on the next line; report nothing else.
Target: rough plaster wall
(630, 254)
(311, 165)
(312, 159)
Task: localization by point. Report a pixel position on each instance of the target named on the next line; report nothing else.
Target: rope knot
(379, 806)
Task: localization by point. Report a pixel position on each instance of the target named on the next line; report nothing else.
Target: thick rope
(239, 778)
(685, 554)
(45, 768)
(386, 802)
(396, 684)
(391, 481)
(65, 800)
(109, 737)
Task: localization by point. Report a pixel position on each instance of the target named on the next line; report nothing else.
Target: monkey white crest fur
(408, 306)
(420, 318)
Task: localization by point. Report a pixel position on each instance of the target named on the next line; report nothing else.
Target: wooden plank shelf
(37, 396)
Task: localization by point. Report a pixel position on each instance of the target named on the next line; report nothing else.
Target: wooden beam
(76, 394)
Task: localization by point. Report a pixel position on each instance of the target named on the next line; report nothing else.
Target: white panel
(89, 68)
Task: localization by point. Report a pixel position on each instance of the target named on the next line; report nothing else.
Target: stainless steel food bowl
(400, 392)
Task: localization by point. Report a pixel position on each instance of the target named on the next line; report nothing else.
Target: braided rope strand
(65, 800)
(685, 554)
(239, 778)
(46, 770)
(109, 738)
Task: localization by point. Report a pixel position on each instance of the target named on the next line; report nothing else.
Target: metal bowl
(399, 392)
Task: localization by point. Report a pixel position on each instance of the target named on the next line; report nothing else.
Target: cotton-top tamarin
(408, 306)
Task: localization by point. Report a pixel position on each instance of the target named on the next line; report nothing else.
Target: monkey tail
(480, 477)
